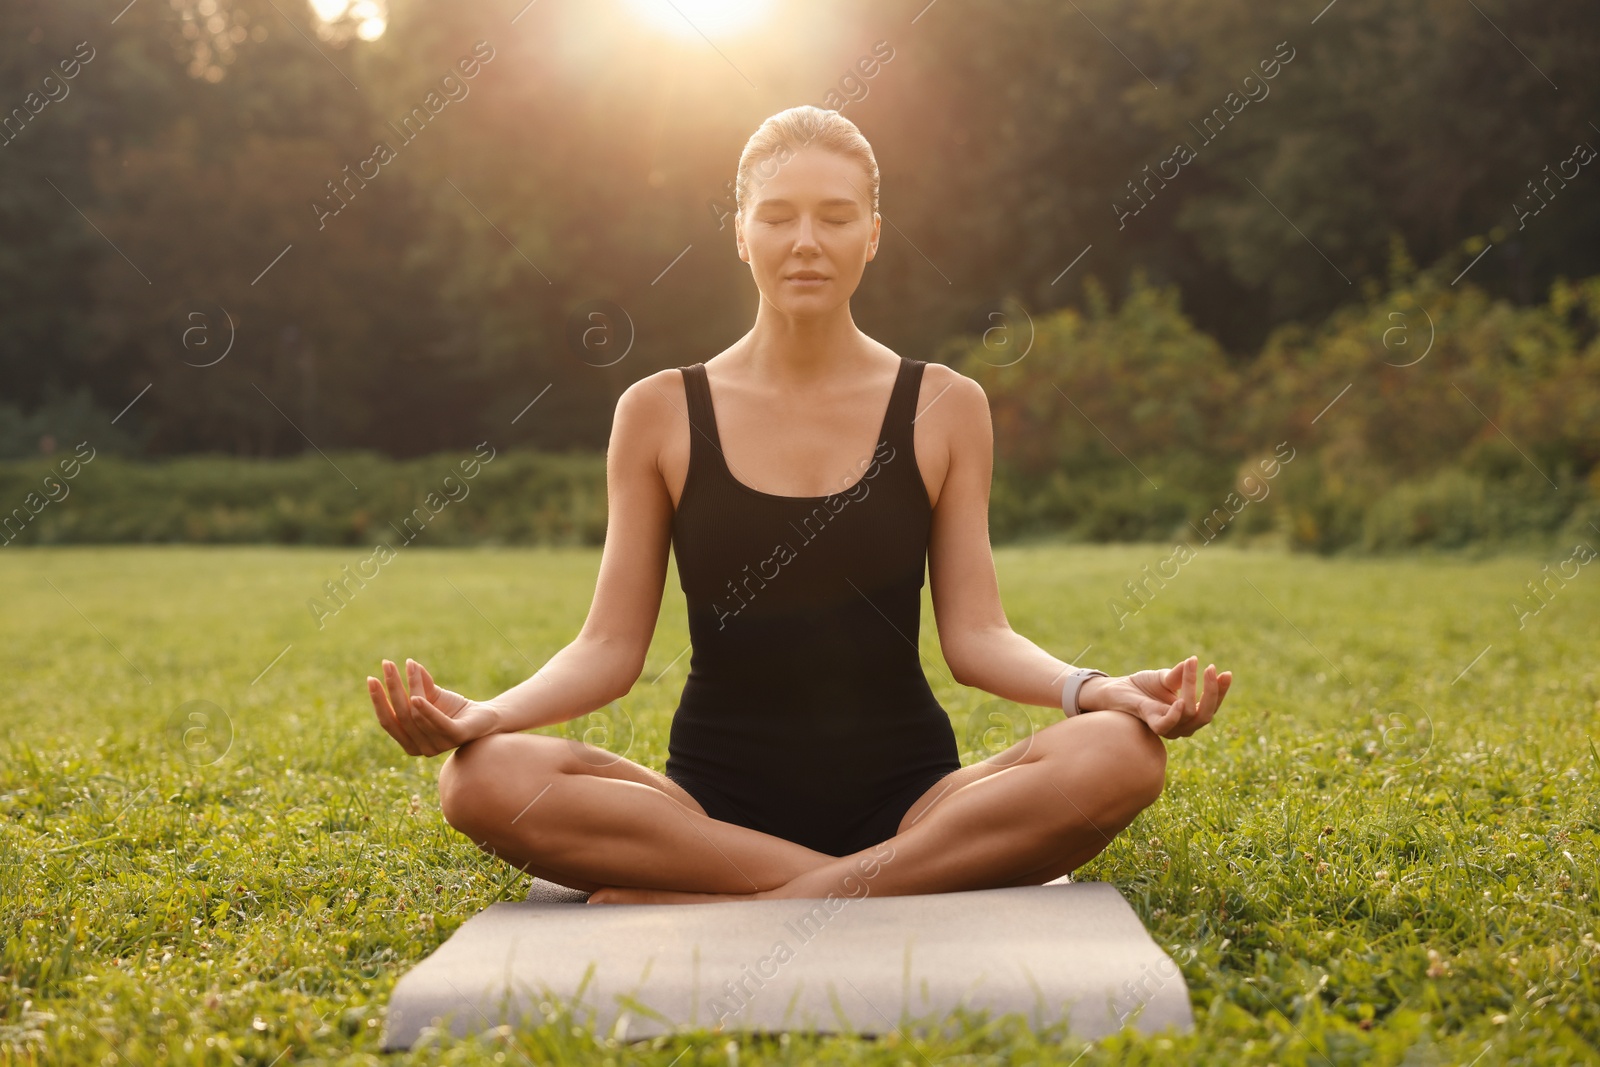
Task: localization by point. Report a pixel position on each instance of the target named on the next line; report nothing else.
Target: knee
(1139, 756)
(460, 779)
(1146, 755)
(476, 780)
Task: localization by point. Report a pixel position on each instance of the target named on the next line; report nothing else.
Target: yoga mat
(864, 965)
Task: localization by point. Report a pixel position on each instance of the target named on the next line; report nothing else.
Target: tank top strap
(702, 418)
(903, 404)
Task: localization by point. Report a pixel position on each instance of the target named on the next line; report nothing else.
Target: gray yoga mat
(866, 965)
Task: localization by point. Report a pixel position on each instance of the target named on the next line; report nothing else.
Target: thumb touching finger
(1162, 722)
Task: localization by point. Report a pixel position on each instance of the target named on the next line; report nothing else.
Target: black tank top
(806, 709)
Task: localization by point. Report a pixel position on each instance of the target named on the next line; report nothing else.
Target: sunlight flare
(696, 18)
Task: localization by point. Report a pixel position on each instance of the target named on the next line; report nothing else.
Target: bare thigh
(607, 764)
(1078, 732)
(487, 784)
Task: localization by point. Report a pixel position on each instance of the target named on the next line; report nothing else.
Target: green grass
(1368, 857)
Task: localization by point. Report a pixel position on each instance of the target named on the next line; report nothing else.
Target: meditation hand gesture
(1164, 700)
(429, 720)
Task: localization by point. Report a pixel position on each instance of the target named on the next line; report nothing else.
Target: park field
(1384, 849)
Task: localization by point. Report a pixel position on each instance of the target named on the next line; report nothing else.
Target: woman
(806, 734)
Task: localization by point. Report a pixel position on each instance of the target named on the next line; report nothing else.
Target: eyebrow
(836, 202)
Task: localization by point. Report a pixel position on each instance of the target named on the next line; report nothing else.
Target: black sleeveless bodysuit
(806, 713)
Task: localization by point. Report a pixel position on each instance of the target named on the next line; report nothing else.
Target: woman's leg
(1025, 816)
(584, 817)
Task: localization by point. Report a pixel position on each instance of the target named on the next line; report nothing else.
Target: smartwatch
(1074, 682)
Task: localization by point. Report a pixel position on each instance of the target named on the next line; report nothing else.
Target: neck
(794, 351)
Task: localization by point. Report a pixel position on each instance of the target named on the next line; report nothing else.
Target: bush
(516, 497)
(1429, 416)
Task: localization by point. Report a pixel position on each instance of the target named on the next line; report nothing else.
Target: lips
(807, 276)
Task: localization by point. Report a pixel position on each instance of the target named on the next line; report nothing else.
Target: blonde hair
(784, 134)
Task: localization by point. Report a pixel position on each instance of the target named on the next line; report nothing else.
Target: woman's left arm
(977, 640)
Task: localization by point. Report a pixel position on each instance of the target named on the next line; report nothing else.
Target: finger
(420, 723)
(441, 725)
(391, 723)
(1164, 723)
(394, 686)
(1224, 683)
(1188, 698)
(385, 713)
(430, 688)
(1173, 676)
(1191, 668)
(1209, 696)
(1151, 711)
(417, 680)
(386, 719)
(401, 700)
(420, 691)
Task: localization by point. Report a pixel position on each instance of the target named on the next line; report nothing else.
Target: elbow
(632, 669)
(612, 665)
(969, 655)
(959, 670)
(625, 683)
(619, 681)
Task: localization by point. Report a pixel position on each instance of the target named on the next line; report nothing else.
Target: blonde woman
(804, 478)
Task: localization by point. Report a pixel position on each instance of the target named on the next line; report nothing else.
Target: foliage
(589, 156)
(518, 497)
(1425, 415)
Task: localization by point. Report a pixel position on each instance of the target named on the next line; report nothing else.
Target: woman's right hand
(427, 720)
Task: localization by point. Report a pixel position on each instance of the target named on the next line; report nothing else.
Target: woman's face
(808, 231)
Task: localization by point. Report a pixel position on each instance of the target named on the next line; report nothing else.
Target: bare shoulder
(650, 408)
(650, 432)
(953, 407)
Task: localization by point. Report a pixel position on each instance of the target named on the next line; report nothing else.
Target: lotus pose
(804, 478)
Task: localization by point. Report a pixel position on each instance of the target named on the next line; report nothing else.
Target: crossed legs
(583, 817)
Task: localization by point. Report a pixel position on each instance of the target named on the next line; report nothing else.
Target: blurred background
(277, 265)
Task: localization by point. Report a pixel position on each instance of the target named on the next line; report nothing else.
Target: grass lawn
(1382, 851)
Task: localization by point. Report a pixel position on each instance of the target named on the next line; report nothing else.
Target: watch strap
(1074, 683)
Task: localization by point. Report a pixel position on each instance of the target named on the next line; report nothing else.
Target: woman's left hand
(1164, 700)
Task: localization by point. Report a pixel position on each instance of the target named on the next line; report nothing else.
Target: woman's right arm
(602, 663)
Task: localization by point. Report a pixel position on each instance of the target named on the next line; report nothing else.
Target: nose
(806, 235)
